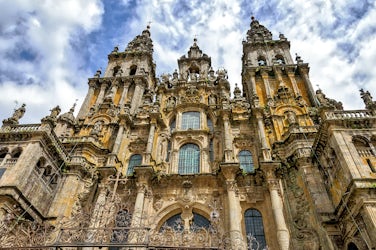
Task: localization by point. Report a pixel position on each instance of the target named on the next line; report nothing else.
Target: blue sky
(49, 48)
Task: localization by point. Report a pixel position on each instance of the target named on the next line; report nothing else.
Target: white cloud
(43, 31)
(334, 38)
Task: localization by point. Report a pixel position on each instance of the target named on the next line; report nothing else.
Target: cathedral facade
(177, 162)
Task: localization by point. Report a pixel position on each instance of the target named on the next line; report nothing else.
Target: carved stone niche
(138, 145)
(243, 142)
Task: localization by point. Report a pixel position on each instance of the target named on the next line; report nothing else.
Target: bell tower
(285, 109)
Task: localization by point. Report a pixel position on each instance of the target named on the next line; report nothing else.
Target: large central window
(189, 159)
(190, 120)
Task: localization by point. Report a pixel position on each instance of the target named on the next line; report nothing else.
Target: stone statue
(17, 115)
(367, 98)
(212, 100)
(291, 117)
(171, 102)
(212, 78)
(55, 112)
(327, 102)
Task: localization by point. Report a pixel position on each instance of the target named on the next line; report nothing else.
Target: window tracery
(189, 159)
(246, 161)
(190, 120)
(254, 229)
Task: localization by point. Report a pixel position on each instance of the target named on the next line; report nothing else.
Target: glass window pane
(246, 161)
(189, 159)
(210, 125)
(191, 120)
(255, 228)
(135, 160)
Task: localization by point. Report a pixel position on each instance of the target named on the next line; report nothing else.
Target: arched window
(135, 160)
(363, 147)
(191, 120)
(116, 69)
(279, 59)
(176, 223)
(254, 229)
(16, 153)
(352, 246)
(261, 61)
(189, 159)
(39, 167)
(246, 161)
(3, 153)
(132, 70)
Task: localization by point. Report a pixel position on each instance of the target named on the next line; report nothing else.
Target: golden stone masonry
(177, 162)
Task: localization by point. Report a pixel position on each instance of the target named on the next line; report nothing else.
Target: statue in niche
(193, 77)
(97, 128)
(110, 95)
(175, 76)
(203, 73)
(171, 102)
(212, 100)
(212, 78)
(291, 117)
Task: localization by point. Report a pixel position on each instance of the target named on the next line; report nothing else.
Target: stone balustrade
(352, 114)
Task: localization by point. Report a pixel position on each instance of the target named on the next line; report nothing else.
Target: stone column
(265, 78)
(137, 96)
(265, 148)
(138, 234)
(101, 93)
(150, 142)
(291, 75)
(311, 94)
(86, 104)
(229, 154)
(283, 235)
(113, 159)
(234, 210)
(124, 94)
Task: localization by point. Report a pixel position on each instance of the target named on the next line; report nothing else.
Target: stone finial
(52, 118)
(16, 116)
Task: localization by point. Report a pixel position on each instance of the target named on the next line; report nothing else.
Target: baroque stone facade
(177, 162)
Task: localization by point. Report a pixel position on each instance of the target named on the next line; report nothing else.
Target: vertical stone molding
(149, 145)
(85, 105)
(265, 148)
(229, 155)
(283, 234)
(101, 93)
(143, 174)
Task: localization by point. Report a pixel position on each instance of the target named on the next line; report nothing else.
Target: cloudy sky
(49, 48)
